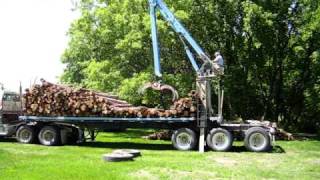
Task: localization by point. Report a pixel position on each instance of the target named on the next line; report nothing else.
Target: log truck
(207, 129)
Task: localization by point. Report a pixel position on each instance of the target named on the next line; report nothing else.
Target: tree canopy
(271, 48)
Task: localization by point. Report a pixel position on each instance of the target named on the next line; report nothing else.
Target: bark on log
(50, 99)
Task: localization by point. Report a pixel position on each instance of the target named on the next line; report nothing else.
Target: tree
(271, 50)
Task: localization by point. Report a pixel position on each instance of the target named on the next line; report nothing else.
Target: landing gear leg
(81, 137)
(204, 109)
(201, 140)
(92, 135)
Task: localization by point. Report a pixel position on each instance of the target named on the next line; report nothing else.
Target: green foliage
(272, 72)
(130, 89)
(102, 76)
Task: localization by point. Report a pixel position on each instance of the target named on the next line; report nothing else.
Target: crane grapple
(162, 88)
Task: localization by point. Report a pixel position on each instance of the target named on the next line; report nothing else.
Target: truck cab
(10, 109)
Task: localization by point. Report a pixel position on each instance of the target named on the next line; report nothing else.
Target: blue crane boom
(178, 28)
(203, 83)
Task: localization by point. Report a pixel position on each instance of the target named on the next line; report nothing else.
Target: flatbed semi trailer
(219, 136)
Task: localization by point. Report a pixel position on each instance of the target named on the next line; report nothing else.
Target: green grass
(288, 160)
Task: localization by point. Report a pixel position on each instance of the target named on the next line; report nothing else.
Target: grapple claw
(160, 87)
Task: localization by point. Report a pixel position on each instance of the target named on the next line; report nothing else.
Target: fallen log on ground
(284, 135)
(161, 135)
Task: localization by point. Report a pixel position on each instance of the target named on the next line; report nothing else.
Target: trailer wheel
(257, 139)
(26, 134)
(219, 139)
(49, 136)
(184, 139)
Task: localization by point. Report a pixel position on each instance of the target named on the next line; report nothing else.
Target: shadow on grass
(128, 145)
(4, 139)
(131, 133)
(275, 149)
(278, 149)
(315, 138)
(148, 146)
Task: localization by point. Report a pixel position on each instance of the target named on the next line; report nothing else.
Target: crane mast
(203, 77)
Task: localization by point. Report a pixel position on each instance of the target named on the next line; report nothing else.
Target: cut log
(50, 99)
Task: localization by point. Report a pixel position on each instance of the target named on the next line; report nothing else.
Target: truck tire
(26, 134)
(49, 136)
(219, 139)
(257, 139)
(117, 157)
(184, 139)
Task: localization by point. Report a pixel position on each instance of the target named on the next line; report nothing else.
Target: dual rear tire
(26, 134)
(257, 139)
(48, 135)
(184, 139)
(219, 139)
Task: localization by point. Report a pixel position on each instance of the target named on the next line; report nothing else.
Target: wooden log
(50, 99)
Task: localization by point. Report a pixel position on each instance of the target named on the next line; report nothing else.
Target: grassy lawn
(288, 160)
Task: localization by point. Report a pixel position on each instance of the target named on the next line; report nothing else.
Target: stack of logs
(50, 99)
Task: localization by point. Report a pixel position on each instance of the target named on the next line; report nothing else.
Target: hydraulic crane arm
(178, 28)
(203, 83)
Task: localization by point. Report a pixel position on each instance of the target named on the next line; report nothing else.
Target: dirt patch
(225, 161)
(144, 174)
(180, 174)
(315, 161)
(25, 152)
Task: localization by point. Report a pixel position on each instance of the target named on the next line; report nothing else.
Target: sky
(32, 40)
